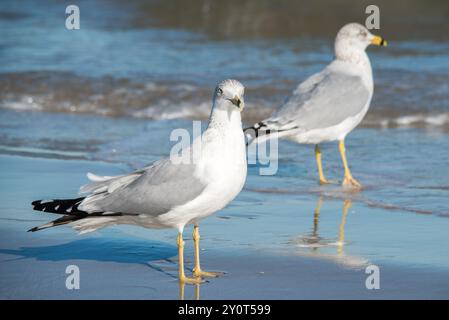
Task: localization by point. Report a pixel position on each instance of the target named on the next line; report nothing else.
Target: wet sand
(272, 246)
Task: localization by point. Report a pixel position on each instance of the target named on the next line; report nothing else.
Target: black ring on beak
(236, 101)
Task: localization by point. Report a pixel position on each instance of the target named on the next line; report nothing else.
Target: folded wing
(154, 190)
(324, 100)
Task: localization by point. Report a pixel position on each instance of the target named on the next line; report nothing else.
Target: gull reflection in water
(314, 245)
(182, 286)
(96, 223)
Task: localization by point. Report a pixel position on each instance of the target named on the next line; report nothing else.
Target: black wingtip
(256, 127)
(33, 229)
(36, 202)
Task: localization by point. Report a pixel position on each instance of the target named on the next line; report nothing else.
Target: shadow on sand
(100, 249)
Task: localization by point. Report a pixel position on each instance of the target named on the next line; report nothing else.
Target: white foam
(166, 110)
(24, 104)
(428, 120)
(433, 120)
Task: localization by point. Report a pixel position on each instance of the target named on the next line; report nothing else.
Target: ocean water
(106, 97)
(136, 60)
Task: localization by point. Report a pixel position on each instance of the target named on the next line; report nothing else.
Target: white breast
(222, 167)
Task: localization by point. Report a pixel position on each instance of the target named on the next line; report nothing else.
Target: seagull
(172, 192)
(329, 104)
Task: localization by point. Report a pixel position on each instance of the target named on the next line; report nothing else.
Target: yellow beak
(379, 41)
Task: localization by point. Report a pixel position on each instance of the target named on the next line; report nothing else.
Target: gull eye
(219, 91)
(363, 33)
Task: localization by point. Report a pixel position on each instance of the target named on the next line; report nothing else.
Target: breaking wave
(107, 96)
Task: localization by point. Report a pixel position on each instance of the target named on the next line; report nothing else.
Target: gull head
(353, 38)
(229, 95)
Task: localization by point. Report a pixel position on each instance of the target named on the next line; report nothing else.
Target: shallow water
(143, 63)
(69, 105)
(398, 222)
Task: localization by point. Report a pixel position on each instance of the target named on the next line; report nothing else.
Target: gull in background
(329, 104)
(170, 192)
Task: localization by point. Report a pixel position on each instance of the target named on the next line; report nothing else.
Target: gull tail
(256, 133)
(270, 129)
(57, 222)
(66, 207)
(265, 130)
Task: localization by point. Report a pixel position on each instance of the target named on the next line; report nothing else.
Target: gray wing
(323, 100)
(154, 190)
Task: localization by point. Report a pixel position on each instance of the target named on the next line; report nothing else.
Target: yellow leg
(182, 277)
(316, 215)
(197, 292)
(323, 180)
(348, 179)
(316, 220)
(182, 286)
(197, 272)
(341, 228)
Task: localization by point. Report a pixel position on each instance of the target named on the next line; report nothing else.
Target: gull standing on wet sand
(170, 192)
(329, 104)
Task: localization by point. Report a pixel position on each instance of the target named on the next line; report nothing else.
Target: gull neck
(224, 117)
